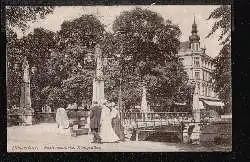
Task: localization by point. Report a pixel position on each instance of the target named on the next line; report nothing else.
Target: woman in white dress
(107, 133)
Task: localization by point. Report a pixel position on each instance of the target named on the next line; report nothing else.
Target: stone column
(144, 105)
(25, 99)
(98, 83)
(195, 137)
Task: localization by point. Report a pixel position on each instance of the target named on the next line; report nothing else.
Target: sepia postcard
(125, 78)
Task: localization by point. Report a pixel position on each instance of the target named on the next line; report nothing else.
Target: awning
(214, 103)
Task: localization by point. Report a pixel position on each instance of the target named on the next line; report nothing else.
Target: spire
(194, 27)
(194, 37)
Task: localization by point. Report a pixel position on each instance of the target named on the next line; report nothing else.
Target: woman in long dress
(116, 123)
(107, 133)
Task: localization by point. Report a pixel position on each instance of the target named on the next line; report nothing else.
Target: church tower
(194, 39)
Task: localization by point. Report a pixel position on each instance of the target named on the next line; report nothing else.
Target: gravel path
(48, 138)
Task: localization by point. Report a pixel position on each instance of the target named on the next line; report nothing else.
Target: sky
(182, 15)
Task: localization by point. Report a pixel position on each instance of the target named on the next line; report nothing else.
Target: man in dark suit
(95, 116)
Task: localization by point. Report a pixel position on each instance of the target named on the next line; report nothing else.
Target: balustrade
(138, 119)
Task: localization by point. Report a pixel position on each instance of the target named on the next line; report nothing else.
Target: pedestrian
(116, 123)
(107, 132)
(95, 116)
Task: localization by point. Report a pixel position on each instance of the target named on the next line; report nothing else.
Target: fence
(134, 118)
(176, 122)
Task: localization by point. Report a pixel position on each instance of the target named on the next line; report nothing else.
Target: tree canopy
(222, 76)
(142, 51)
(67, 68)
(147, 48)
(19, 16)
(222, 15)
(222, 72)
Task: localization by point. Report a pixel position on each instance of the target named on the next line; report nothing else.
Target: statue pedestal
(98, 89)
(185, 134)
(195, 136)
(28, 117)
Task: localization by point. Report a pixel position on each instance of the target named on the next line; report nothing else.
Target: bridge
(171, 123)
(168, 122)
(176, 123)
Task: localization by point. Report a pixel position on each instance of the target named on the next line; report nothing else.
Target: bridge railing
(137, 119)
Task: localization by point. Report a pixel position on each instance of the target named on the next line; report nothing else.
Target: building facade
(199, 67)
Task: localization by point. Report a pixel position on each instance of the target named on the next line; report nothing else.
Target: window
(209, 90)
(203, 75)
(197, 62)
(197, 75)
(197, 47)
(203, 90)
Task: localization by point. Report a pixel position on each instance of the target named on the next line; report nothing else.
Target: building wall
(199, 68)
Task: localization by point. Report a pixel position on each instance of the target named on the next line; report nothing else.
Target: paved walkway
(48, 138)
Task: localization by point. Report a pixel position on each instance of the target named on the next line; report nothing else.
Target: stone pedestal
(98, 90)
(195, 136)
(144, 105)
(28, 117)
(185, 134)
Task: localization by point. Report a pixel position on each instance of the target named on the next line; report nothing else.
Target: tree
(222, 72)
(19, 17)
(84, 31)
(147, 48)
(70, 75)
(222, 76)
(37, 48)
(223, 16)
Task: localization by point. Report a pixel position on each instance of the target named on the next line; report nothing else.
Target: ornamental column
(98, 82)
(25, 99)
